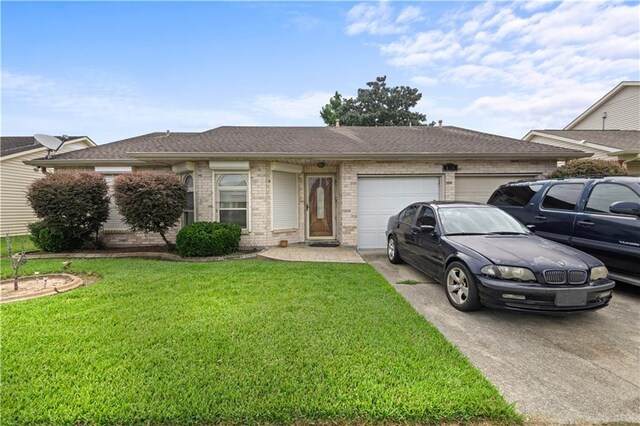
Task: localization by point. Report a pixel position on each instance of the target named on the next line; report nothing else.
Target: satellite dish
(50, 142)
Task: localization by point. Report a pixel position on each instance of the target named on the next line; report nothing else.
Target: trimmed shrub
(208, 239)
(72, 206)
(588, 167)
(150, 201)
(51, 240)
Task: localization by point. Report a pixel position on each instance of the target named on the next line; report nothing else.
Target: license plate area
(571, 298)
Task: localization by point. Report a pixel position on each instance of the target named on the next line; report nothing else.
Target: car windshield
(479, 221)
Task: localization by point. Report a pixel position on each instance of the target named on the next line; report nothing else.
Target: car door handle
(540, 217)
(585, 223)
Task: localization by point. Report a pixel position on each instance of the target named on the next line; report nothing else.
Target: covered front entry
(320, 209)
(478, 188)
(381, 197)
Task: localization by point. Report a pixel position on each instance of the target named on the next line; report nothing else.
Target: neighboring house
(609, 129)
(303, 184)
(15, 177)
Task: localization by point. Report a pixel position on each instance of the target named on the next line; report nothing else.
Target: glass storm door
(320, 206)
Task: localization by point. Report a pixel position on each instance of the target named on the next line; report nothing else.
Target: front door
(320, 206)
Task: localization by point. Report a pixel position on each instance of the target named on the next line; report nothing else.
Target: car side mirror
(625, 207)
(427, 228)
(531, 227)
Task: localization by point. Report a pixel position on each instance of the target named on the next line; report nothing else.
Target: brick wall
(346, 175)
(349, 171)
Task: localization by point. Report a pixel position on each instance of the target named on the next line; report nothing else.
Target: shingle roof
(15, 144)
(249, 141)
(626, 140)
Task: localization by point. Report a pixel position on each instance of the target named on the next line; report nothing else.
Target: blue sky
(116, 70)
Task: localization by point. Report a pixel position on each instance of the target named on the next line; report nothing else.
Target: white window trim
(195, 198)
(273, 228)
(216, 194)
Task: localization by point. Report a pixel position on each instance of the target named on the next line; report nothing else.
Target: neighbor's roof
(601, 101)
(329, 142)
(10, 145)
(624, 140)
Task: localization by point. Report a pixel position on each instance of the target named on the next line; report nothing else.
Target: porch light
(321, 164)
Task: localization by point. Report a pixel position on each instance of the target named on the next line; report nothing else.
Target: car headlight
(509, 273)
(598, 273)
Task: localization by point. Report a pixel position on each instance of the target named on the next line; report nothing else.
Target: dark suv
(600, 216)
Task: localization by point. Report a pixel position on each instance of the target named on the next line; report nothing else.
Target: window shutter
(114, 223)
(285, 200)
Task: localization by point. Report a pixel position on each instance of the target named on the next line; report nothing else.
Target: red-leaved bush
(71, 205)
(150, 202)
(588, 167)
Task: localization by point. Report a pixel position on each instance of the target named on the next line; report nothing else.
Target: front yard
(232, 342)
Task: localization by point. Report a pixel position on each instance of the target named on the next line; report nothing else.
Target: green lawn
(16, 243)
(235, 342)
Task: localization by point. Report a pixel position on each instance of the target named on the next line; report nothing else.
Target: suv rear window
(563, 196)
(518, 196)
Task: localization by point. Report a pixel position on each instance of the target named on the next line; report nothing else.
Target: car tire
(461, 288)
(393, 254)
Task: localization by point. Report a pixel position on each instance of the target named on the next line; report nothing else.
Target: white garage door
(381, 197)
(480, 188)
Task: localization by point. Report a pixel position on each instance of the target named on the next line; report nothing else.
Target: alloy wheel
(391, 249)
(457, 286)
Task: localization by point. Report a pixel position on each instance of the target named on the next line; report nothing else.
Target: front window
(188, 214)
(479, 221)
(605, 194)
(232, 199)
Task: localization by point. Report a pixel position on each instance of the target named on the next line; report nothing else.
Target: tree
(588, 167)
(17, 260)
(378, 105)
(71, 205)
(150, 202)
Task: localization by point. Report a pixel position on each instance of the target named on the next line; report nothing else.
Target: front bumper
(535, 297)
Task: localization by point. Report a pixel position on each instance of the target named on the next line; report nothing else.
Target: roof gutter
(356, 155)
(52, 162)
(144, 158)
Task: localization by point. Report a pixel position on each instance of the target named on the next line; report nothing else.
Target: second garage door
(479, 188)
(381, 197)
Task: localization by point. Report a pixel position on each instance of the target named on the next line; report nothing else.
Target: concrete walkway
(580, 369)
(303, 253)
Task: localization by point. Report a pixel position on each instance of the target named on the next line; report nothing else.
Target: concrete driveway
(578, 368)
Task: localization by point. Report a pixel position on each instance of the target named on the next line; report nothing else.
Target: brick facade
(260, 232)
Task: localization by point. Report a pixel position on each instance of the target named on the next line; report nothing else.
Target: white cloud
(534, 64)
(109, 108)
(306, 106)
(422, 80)
(380, 19)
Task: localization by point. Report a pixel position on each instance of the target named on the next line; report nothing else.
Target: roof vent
(338, 122)
(168, 132)
(439, 123)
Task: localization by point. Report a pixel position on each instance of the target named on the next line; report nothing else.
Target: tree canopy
(377, 105)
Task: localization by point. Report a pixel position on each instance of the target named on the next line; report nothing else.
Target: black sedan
(484, 256)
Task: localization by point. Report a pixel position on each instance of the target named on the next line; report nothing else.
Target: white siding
(633, 168)
(623, 112)
(285, 200)
(15, 177)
